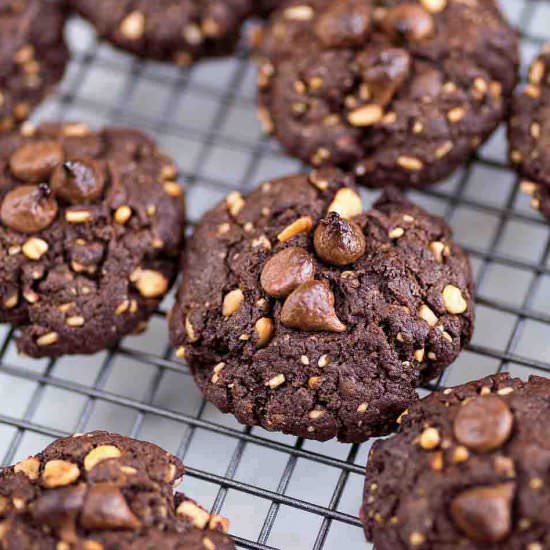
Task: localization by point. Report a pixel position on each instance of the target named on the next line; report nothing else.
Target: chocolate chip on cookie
(99, 490)
(33, 56)
(468, 469)
(529, 133)
(302, 313)
(400, 92)
(90, 229)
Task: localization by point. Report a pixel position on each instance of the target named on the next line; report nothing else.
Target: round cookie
(400, 92)
(102, 491)
(180, 31)
(469, 469)
(303, 314)
(91, 225)
(33, 56)
(529, 133)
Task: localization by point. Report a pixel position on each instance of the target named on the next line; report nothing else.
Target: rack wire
(279, 491)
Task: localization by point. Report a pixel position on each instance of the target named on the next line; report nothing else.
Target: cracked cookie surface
(399, 92)
(101, 491)
(91, 225)
(470, 468)
(180, 31)
(529, 133)
(301, 313)
(33, 56)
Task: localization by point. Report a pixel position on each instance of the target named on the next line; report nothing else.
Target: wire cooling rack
(279, 491)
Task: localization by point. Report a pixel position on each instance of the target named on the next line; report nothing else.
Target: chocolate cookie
(470, 469)
(91, 225)
(33, 56)
(103, 491)
(400, 92)
(301, 313)
(529, 133)
(180, 31)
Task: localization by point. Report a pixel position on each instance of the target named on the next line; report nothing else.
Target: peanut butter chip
(347, 203)
(97, 455)
(150, 284)
(30, 467)
(133, 25)
(58, 473)
(123, 214)
(197, 515)
(453, 300)
(190, 329)
(484, 513)
(338, 241)
(434, 6)
(232, 302)
(301, 225)
(430, 439)
(234, 202)
(285, 271)
(311, 307)
(299, 13)
(367, 115)
(264, 331)
(484, 423)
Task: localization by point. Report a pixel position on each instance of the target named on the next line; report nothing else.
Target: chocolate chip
(484, 423)
(409, 21)
(59, 509)
(343, 24)
(383, 72)
(106, 508)
(285, 271)
(311, 307)
(484, 513)
(34, 162)
(338, 241)
(78, 180)
(28, 208)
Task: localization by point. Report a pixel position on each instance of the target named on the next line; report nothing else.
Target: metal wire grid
(279, 491)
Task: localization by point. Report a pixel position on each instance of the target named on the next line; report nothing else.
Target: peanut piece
(232, 302)
(97, 455)
(347, 203)
(58, 473)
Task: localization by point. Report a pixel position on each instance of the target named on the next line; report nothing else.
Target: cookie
(470, 468)
(33, 56)
(301, 313)
(180, 31)
(91, 225)
(399, 92)
(101, 491)
(529, 133)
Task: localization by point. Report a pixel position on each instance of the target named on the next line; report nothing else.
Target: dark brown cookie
(101, 491)
(91, 224)
(400, 92)
(469, 469)
(529, 133)
(180, 31)
(301, 313)
(33, 56)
